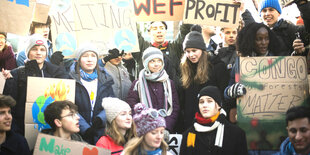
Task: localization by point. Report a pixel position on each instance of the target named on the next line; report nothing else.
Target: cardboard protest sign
(159, 10)
(222, 13)
(2, 82)
(16, 16)
(285, 3)
(41, 11)
(273, 84)
(40, 93)
(47, 145)
(174, 143)
(106, 23)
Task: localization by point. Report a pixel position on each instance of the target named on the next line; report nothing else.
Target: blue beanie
(271, 3)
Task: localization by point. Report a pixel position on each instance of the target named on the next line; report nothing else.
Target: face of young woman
(155, 65)
(124, 120)
(88, 61)
(193, 54)
(262, 41)
(208, 107)
(153, 138)
(38, 53)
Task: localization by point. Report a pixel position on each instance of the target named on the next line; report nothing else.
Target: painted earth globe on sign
(38, 108)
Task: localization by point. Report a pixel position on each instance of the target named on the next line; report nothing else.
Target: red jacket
(107, 142)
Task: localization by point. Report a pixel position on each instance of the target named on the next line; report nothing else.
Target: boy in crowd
(63, 118)
(10, 142)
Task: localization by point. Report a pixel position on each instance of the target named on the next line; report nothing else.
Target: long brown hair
(190, 76)
(133, 146)
(118, 138)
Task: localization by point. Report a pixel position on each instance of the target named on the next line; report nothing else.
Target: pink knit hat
(148, 119)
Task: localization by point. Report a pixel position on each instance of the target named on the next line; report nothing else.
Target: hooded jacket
(7, 58)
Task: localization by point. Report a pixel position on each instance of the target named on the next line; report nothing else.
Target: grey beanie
(85, 48)
(194, 39)
(113, 106)
(151, 53)
(34, 40)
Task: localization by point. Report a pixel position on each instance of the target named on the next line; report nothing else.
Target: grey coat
(121, 80)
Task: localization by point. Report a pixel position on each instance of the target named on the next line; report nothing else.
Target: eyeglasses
(72, 115)
(156, 113)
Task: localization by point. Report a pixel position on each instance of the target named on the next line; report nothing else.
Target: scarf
(155, 152)
(88, 77)
(144, 93)
(217, 124)
(162, 46)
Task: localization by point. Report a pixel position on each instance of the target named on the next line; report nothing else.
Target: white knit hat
(114, 106)
(33, 40)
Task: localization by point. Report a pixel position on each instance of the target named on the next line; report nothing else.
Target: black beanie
(194, 39)
(213, 92)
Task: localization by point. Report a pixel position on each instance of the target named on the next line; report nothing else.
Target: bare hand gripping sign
(274, 84)
(210, 12)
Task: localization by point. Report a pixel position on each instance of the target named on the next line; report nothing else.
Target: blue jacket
(82, 100)
(14, 144)
(287, 148)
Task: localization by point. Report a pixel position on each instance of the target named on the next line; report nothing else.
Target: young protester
(198, 70)
(36, 52)
(92, 85)
(270, 12)
(7, 58)
(10, 142)
(298, 129)
(150, 131)
(118, 72)
(64, 121)
(44, 30)
(154, 88)
(211, 133)
(120, 127)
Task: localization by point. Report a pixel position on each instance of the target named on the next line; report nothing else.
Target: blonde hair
(189, 76)
(135, 146)
(118, 138)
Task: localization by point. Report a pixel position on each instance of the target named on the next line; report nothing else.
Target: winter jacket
(95, 124)
(14, 144)
(286, 30)
(228, 56)
(218, 76)
(172, 51)
(108, 143)
(75, 136)
(21, 56)
(7, 58)
(287, 148)
(234, 141)
(121, 80)
(17, 88)
(156, 90)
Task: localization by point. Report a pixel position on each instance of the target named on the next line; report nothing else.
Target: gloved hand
(57, 58)
(236, 90)
(166, 135)
(97, 123)
(32, 68)
(114, 53)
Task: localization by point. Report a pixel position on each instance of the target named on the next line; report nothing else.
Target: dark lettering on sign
(284, 68)
(146, 7)
(211, 11)
(174, 146)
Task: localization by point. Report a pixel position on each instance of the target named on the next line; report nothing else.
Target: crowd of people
(185, 86)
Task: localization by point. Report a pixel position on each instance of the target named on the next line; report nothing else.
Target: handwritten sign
(41, 11)
(159, 10)
(285, 3)
(273, 84)
(174, 143)
(42, 92)
(106, 23)
(16, 16)
(47, 144)
(222, 13)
